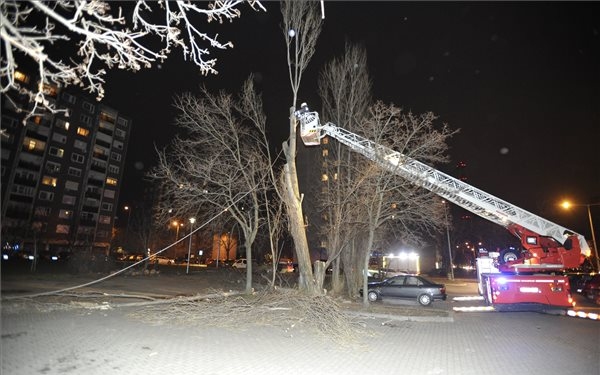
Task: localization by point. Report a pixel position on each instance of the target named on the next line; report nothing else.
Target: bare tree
(345, 90)
(144, 228)
(301, 28)
(388, 205)
(38, 32)
(274, 225)
(220, 165)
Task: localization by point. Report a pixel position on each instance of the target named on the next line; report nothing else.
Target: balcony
(98, 183)
(102, 143)
(29, 165)
(92, 194)
(33, 151)
(38, 136)
(88, 208)
(100, 156)
(105, 131)
(17, 214)
(87, 223)
(25, 181)
(98, 168)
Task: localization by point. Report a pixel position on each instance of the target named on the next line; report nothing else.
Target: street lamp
(176, 224)
(567, 205)
(128, 209)
(192, 221)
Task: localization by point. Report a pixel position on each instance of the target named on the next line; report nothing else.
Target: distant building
(61, 174)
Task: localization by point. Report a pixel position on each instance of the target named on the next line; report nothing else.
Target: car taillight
(443, 290)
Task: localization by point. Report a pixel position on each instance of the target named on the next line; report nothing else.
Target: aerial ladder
(547, 248)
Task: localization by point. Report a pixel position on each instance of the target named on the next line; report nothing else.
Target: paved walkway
(84, 341)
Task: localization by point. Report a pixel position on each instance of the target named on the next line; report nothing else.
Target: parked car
(407, 287)
(385, 273)
(577, 281)
(285, 266)
(158, 259)
(591, 288)
(241, 263)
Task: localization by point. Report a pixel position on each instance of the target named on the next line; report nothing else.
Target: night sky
(520, 80)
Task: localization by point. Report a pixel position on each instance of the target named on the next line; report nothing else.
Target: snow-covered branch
(75, 42)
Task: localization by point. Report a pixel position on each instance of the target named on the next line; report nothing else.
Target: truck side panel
(549, 290)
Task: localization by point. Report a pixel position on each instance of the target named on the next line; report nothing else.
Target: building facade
(61, 174)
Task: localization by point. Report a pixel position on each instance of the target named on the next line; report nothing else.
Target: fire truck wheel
(373, 296)
(508, 256)
(425, 299)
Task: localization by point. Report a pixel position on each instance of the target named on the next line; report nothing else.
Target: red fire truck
(524, 279)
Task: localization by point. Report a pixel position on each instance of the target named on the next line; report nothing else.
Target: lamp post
(128, 209)
(192, 221)
(448, 236)
(176, 225)
(566, 205)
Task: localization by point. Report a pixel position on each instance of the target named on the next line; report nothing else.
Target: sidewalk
(112, 341)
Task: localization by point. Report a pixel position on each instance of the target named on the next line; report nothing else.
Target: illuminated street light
(128, 209)
(177, 225)
(192, 221)
(567, 205)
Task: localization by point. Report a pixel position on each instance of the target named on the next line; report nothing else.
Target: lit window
(324, 177)
(103, 219)
(109, 117)
(31, 144)
(49, 181)
(83, 131)
(111, 181)
(62, 124)
(48, 89)
(56, 151)
(21, 77)
(325, 152)
(65, 214)
(62, 229)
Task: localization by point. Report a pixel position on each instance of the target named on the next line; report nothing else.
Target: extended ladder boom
(454, 190)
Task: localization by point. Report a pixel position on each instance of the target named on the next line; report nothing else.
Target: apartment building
(61, 174)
